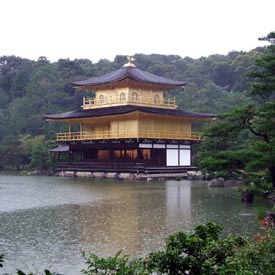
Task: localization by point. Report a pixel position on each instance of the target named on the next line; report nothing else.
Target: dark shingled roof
(60, 149)
(118, 110)
(130, 73)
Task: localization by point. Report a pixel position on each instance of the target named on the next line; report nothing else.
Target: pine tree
(249, 130)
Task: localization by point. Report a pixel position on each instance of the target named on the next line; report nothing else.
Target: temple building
(128, 126)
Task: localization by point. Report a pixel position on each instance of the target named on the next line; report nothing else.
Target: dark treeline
(29, 89)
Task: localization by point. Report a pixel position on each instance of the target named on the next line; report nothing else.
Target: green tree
(251, 128)
(227, 149)
(12, 153)
(40, 157)
(44, 94)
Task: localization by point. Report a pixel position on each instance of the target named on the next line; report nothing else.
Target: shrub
(1, 260)
(202, 251)
(115, 265)
(260, 210)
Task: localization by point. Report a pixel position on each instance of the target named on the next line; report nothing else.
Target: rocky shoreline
(220, 182)
(190, 175)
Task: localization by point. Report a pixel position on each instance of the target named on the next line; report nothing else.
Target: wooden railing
(98, 135)
(102, 166)
(90, 103)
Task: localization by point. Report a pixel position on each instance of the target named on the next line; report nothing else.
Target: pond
(45, 222)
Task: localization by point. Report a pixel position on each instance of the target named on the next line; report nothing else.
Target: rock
(126, 176)
(99, 175)
(271, 196)
(216, 183)
(233, 183)
(111, 175)
(33, 173)
(247, 195)
(269, 218)
(67, 174)
(84, 174)
(194, 175)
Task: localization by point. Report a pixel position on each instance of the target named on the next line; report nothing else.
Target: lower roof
(60, 149)
(118, 110)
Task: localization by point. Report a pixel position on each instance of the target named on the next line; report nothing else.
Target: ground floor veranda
(129, 155)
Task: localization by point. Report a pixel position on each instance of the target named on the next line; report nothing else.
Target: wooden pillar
(111, 150)
(70, 131)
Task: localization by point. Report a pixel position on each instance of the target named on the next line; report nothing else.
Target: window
(101, 99)
(134, 96)
(145, 154)
(124, 154)
(103, 155)
(122, 97)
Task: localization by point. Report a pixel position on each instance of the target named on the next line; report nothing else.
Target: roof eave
(100, 84)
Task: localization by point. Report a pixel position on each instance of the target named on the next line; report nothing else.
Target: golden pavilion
(128, 126)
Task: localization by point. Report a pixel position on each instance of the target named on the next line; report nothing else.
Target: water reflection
(178, 201)
(48, 221)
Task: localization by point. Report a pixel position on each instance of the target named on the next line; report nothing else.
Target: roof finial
(130, 60)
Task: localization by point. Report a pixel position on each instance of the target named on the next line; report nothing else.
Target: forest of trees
(241, 143)
(29, 89)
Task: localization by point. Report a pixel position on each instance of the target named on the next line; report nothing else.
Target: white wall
(179, 157)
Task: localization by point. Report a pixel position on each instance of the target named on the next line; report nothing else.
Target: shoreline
(190, 175)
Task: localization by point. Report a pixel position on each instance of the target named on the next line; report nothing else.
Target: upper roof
(118, 110)
(133, 73)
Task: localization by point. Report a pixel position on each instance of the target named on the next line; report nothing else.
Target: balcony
(91, 103)
(127, 134)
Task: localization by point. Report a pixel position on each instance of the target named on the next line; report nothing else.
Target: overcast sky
(98, 29)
